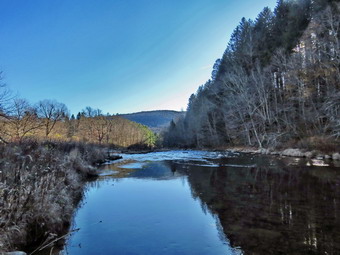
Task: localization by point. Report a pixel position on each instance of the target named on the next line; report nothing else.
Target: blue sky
(117, 55)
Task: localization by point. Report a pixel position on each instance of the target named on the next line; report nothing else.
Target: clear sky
(117, 55)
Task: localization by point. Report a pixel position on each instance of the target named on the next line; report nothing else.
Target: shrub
(40, 185)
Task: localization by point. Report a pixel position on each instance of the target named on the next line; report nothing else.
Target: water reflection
(151, 212)
(231, 204)
(273, 208)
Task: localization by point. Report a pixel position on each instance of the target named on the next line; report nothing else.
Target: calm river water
(199, 202)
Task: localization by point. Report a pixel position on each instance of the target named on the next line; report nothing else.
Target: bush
(40, 185)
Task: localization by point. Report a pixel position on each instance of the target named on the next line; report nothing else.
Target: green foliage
(150, 138)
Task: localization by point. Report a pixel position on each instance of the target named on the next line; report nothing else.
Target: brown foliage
(40, 184)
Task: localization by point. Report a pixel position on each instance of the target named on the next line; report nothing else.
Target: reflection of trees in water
(97, 182)
(272, 209)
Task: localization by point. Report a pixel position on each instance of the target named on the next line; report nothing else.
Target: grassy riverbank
(40, 185)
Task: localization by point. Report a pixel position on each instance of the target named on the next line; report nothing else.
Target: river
(200, 202)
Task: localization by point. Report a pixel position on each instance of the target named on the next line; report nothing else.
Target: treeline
(277, 82)
(50, 120)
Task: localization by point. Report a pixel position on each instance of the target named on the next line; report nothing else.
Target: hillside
(276, 85)
(155, 120)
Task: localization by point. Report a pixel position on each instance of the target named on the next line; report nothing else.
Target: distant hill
(155, 120)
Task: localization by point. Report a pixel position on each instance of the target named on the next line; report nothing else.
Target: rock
(264, 151)
(293, 153)
(309, 154)
(328, 157)
(319, 157)
(336, 156)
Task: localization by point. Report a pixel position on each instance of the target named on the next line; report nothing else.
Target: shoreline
(41, 186)
(289, 152)
(90, 171)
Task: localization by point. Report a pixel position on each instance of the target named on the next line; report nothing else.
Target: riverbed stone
(293, 153)
(336, 156)
(309, 154)
(264, 151)
(319, 157)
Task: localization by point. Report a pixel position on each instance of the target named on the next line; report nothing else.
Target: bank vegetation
(46, 156)
(277, 84)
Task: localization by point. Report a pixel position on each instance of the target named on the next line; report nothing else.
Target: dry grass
(40, 184)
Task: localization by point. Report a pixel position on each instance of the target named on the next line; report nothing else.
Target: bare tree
(95, 125)
(51, 111)
(5, 98)
(22, 121)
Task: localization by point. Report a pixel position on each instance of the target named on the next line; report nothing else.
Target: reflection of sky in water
(151, 212)
(263, 204)
(133, 165)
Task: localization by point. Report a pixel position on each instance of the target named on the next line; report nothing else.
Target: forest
(276, 85)
(50, 120)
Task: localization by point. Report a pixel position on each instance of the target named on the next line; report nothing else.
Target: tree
(5, 97)
(95, 125)
(264, 41)
(51, 111)
(23, 120)
(215, 69)
(278, 80)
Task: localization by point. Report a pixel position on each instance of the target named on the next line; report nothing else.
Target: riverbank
(289, 152)
(42, 183)
(309, 147)
(333, 154)
(40, 186)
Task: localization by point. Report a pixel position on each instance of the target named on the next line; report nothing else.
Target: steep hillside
(277, 83)
(155, 120)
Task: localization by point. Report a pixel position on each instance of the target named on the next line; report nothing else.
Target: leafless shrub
(39, 187)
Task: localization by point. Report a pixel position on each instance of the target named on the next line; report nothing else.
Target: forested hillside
(155, 120)
(277, 83)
